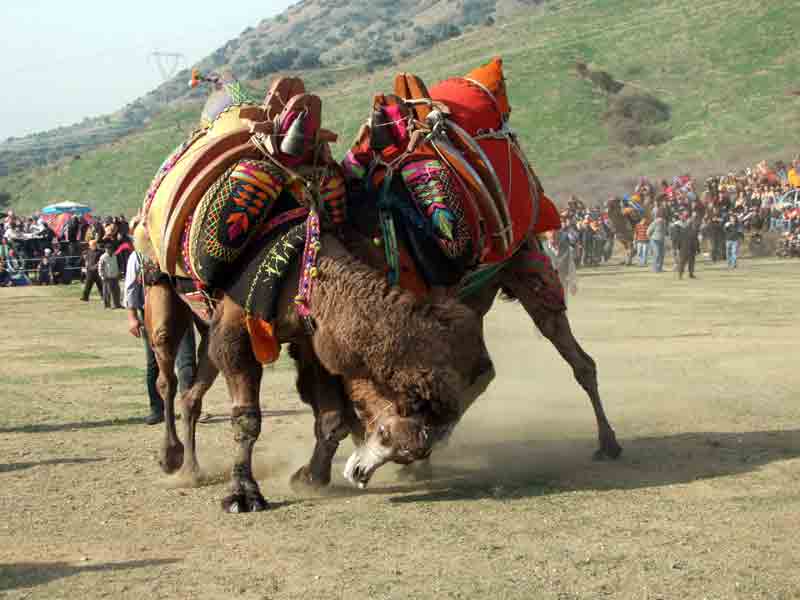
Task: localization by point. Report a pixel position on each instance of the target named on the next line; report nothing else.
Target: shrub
(641, 108)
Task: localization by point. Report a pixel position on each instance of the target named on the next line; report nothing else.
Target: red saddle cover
(476, 111)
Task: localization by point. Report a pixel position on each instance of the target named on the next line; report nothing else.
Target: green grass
(725, 67)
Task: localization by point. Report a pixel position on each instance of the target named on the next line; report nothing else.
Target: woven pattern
(439, 198)
(230, 215)
(332, 197)
(256, 286)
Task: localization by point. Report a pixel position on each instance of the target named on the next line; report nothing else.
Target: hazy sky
(63, 60)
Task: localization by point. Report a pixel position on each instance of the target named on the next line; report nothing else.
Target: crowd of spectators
(32, 252)
(680, 212)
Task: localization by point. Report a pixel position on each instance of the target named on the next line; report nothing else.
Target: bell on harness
(380, 132)
(294, 142)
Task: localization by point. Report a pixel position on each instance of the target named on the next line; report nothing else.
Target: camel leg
(554, 325)
(333, 416)
(166, 320)
(192, 403)
(232, 354)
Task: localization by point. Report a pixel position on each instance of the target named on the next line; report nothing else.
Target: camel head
(391, 433)
(403, 428)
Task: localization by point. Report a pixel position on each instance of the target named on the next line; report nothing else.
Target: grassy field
(698, 378)
(724, 67)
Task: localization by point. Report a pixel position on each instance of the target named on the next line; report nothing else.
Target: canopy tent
(72, 208)
(57, 215)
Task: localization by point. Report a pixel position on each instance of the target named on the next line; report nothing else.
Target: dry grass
(699, 379)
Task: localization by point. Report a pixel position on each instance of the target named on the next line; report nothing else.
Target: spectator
(642, 240)
(109, 271)
(44, 272)
(5, 277)
(185, 360)
(59, 268)
(657, 233)
(91, 259)
(688, 244)
(733, 234)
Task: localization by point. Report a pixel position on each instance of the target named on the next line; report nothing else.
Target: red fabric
(470, 106)
(474, 110)
(549, 219)
(514, 181)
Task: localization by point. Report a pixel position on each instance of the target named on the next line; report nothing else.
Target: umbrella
(66, 207)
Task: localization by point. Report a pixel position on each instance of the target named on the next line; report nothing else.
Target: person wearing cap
(91, 259)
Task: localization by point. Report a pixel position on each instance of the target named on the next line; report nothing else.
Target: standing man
(91, 260)
(688, 244)
(185, 360)
(657, 233)
(108, 267)
(642, 240)
(733, 235)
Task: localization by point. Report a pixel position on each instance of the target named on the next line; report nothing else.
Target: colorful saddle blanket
(223, 211)
(470, 197)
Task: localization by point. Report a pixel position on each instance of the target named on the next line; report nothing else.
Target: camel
(397, 404)
(451, 194)
(373, 345)
(623, 228)
(516, 283)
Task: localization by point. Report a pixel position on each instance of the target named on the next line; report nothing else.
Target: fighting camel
(393, 421)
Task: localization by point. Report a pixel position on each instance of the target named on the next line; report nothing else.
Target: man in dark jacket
(688, 244)
(91, 258)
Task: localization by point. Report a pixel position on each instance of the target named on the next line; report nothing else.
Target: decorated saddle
(235, 200)
(453, 186)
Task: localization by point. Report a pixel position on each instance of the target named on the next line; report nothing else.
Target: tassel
(443, 222)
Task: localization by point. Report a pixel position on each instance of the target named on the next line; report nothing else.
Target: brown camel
(623, 228)
(380, 345)
(516, 283)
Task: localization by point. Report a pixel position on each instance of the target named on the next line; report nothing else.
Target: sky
(63, 60)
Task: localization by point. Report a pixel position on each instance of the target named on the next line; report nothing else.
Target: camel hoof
(171, 458)
(609, 453)
(244, 503)
(303, 480)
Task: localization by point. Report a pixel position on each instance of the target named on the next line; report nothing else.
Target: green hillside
(724, 70)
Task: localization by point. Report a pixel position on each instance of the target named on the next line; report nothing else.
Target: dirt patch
(698, 378)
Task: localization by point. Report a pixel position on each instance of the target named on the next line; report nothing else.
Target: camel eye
(384, 433)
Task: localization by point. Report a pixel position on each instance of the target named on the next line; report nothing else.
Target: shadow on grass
(54, 427)
(515, 470)
(11, 467)
(25, 575)
(265, 414)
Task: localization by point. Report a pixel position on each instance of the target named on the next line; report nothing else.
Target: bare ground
(699, 379)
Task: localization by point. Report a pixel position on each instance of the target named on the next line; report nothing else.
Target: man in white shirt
(185, 360)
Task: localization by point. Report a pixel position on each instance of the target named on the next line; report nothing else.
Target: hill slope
(725, 81)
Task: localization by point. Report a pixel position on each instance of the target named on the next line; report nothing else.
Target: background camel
(623, 228)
